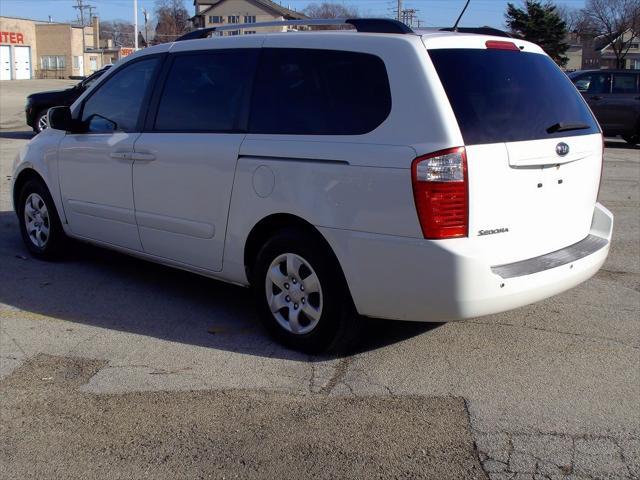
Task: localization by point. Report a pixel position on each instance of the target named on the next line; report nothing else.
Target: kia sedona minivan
(406, 175)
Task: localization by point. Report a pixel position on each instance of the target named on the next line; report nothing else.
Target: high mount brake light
(501, 45)
(441, 193)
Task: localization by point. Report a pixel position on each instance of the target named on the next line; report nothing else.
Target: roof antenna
(455, 25)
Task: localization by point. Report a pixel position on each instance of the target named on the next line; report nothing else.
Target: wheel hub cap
(36, 219)
(294, 293)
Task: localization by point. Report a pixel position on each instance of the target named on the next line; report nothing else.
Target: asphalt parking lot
(111, 367)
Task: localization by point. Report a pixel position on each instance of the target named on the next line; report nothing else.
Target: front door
(22, 60)
(186, 158)
(5, 62)
(95, 167)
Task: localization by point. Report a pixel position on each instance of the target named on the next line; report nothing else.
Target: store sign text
(11, 37)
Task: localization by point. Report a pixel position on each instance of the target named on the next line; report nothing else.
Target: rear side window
(319, 92)
(625, 83)
(506, 96)
(207, 92)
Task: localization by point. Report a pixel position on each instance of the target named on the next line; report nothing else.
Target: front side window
(117, 103)
(206, 92)
(594, 83)
(319, 92)
(624, 83)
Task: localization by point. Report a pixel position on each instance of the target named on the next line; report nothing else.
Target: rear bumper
(419, 280)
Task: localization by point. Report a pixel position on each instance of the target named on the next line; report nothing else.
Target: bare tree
(172, 20)
(330, 10)
(121, 32)
(613, 20)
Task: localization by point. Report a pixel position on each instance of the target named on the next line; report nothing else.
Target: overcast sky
(430, 12)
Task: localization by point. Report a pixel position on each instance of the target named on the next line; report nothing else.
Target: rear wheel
(632, 139)
(40, 225)
(302, 295)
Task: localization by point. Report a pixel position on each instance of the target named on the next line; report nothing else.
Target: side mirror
(60, 118)
(99, 124)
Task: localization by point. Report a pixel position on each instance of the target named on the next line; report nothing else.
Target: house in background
(587, 52)
(211, 13)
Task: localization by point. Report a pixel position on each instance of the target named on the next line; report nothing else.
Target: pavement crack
(559, 332)
(338, 375)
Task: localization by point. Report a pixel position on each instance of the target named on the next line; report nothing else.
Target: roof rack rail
(366, 25)
(479, 30)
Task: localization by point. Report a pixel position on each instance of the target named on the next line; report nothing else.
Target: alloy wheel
(36, 219)
(294, 293)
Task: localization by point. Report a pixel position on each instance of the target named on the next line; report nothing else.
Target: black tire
(36, 125)
(56, 239)
(338, 323)
(632, 139)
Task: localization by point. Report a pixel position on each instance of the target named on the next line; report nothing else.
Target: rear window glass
(319, 92)
(625, 83)
(505, 96)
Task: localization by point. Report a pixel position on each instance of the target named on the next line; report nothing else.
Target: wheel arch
(269, 225)
(23, 177)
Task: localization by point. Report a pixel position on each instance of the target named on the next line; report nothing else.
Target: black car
(614, 98)
(38, 104)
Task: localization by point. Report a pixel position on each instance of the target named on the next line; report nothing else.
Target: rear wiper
(565, 127)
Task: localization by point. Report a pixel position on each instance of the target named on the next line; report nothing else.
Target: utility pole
(399, 10)
(135, 23)
(81, 8)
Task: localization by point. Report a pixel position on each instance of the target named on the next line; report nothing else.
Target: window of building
(249, 19)
(635, 45)
(249, 32)
(207, 92)
(319, 92)
(119, 99)
(233, 19)
(215, 19)
(76, 61)
(52, 62)
(234, 32)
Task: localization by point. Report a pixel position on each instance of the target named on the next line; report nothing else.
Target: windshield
(506, 96)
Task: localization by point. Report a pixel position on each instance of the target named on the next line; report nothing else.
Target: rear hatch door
(534, 150)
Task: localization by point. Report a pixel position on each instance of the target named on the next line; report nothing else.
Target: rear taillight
(601, 169)
(440, 190)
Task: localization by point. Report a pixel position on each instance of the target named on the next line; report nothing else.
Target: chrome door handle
(120, 155)
(142, 157)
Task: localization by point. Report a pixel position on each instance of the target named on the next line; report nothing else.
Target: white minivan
(383, 172)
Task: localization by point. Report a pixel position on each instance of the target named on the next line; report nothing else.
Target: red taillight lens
(440, 190)
(500, 45)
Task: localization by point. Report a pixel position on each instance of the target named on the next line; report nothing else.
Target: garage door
(5, 62)
(22, 62)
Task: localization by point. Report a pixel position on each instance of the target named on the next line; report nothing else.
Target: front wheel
(42, 121)
(40, 225)
(302, 295)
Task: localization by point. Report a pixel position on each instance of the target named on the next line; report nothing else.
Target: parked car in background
(424, 176)
(614, 98)
(38, 104)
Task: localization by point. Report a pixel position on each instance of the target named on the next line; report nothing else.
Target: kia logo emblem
(562, 149)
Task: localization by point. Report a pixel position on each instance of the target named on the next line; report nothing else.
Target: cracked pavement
(548, 391)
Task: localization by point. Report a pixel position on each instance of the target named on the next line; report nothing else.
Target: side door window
(116, 105)
(319, 92)
(207, 92)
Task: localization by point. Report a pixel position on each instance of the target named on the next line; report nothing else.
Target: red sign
(125, 51)
(11, 37)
